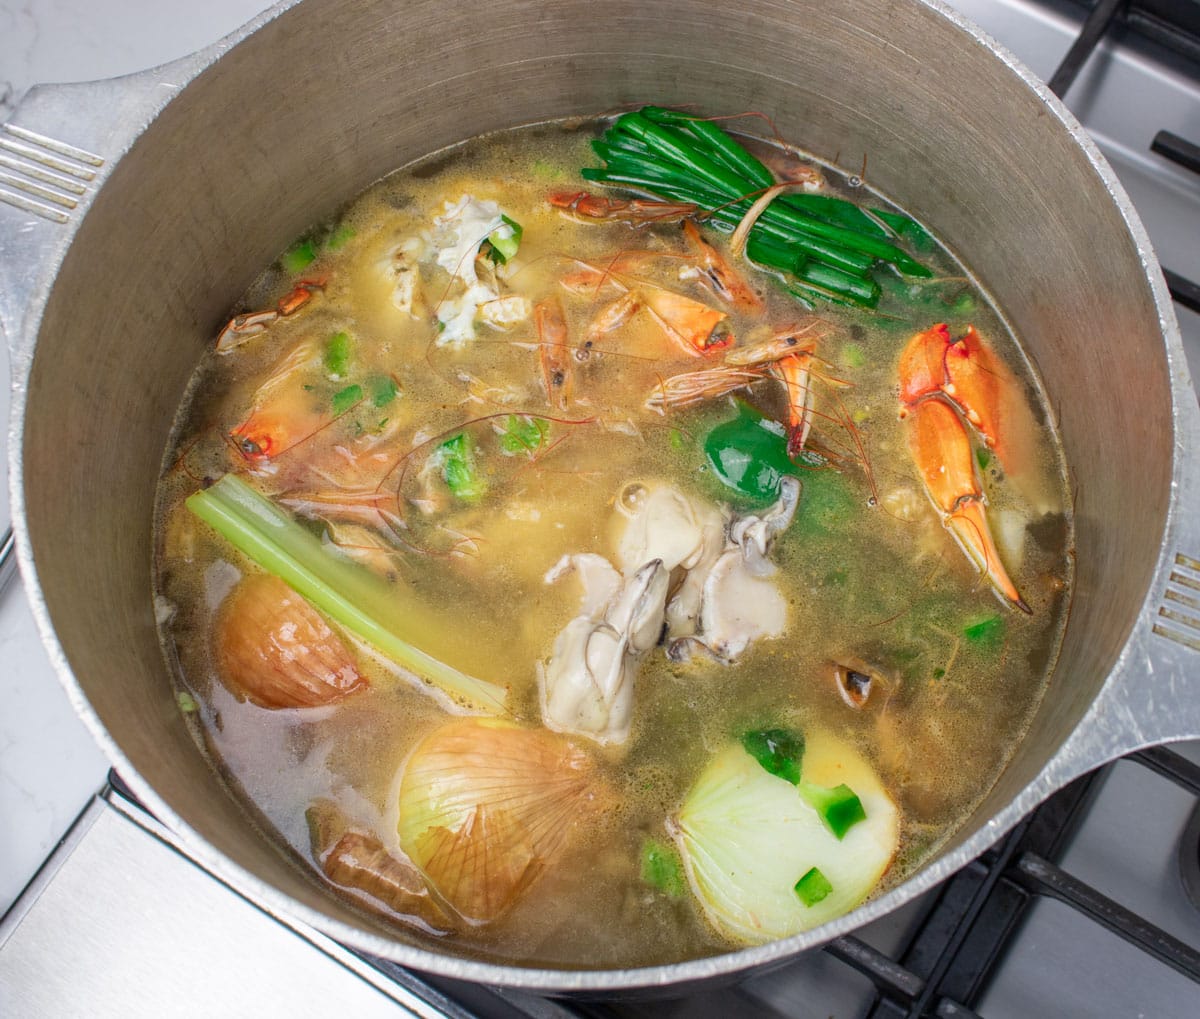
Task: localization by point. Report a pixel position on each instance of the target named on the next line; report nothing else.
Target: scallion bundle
(825, 246)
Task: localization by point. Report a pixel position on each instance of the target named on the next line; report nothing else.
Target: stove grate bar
(1183, 289)
(962, 939)
(1094, 28)
(1170, 765)
(1043, 878)
(889, 976)
(1177, 150)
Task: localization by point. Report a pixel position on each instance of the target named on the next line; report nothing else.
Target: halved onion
(275, 650)
(487, 806)
(747, 837)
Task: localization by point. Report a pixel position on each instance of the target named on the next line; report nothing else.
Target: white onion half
(747, 837)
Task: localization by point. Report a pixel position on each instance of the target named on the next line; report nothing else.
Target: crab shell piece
(943, 381)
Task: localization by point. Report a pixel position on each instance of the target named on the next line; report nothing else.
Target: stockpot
(143, 206)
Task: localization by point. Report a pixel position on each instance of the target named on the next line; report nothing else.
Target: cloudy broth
(870, 577)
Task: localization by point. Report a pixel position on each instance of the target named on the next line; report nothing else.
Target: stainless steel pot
(160, 195)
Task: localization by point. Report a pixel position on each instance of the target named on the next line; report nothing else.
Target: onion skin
(486, 807)
(275, 650)
(359, 863)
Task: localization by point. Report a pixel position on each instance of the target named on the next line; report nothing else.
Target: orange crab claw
(963, 371)
(692, 325)
(932, 396)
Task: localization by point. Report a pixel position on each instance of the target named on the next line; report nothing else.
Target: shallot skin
(274, 650)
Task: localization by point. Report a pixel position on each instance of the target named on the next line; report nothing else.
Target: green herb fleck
(340, 236)
(459, 468)
(299, 256)
(187, 703)
(839, 808)
(813, 887)
(662, 868)
(987, 632)
(504, 240)
(676, 439)
(779, 751)
(853, 355)
(346, 398)
(983, 457)
(523, 434)
(337, 355)
(939, 673)
(383, 390)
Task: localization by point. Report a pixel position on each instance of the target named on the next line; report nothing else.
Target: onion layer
(487, 806)
(747, 837)
(275, 650)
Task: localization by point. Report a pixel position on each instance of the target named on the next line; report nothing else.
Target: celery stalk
(342, 590)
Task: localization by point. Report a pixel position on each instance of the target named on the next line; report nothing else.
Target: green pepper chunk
(346, 398)
(749, 453)
(523, 434)
(337, 355)
(987, 633)
(460, 469)
(839, 808)
(383, 389)
(779, 751)
(504, 242)
(813, 887)
(662, 868)
(340, 236)
(299, 256)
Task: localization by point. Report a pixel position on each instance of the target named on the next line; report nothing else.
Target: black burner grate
(1173, 23)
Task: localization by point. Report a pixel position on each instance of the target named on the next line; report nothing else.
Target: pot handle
(1153, 695)
(56, 150)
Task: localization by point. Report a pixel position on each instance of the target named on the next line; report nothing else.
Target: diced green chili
(813, 887)
(662, 869)
(342, 234)
(346, 398)
(382, 389)
(853, 355)
(523, 434)
(779, 751)
(460, 468)
(337, 355)
(986, 632)
(505, 240)
(299, 256)
(839, 808)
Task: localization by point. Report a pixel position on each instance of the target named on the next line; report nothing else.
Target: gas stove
(1091, 906)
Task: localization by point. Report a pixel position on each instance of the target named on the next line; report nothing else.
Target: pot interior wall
(334, 93)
